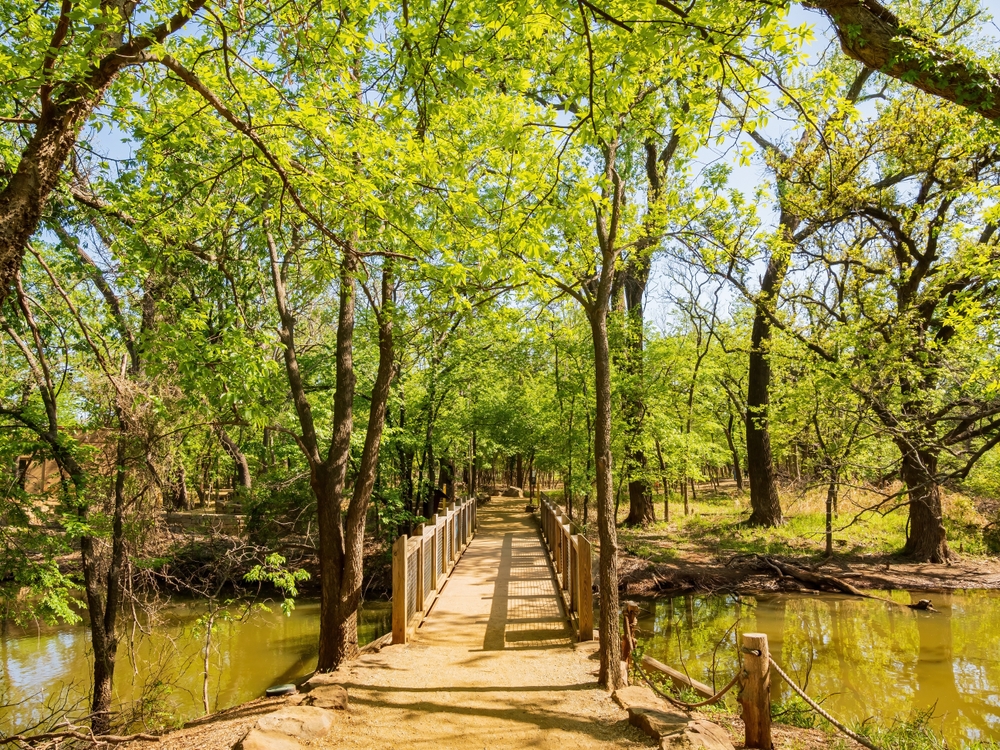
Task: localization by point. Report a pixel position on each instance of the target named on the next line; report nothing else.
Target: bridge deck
(493, 666)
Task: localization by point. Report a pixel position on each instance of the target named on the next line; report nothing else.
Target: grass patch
(715, 524)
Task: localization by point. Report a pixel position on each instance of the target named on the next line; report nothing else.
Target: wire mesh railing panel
(411, 584)
(441, 551)
(428, 563)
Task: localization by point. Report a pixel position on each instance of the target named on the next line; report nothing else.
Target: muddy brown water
(46, 667)
(862, 658)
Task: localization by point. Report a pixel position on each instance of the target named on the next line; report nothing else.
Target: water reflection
(52, 665)
(864, 658)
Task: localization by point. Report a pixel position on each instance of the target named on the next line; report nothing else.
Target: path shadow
(525, 611)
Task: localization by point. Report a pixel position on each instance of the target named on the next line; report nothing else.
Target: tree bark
(764, 501)
(242, 473)
(737, 473)
(611, 674)
(870, 33)
(357, 511)
(338, 631)
(926, 538)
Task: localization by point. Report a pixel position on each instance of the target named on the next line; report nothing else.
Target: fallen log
(679, 679)
(818, 580)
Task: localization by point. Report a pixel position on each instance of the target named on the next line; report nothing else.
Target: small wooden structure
(422, 563)
(755, 691)
(573, 562)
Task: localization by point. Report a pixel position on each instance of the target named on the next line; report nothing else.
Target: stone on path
(674, 729)
(257, 739)
(327, 696)
(513, 491)
(698, 735)
(649, 713)
(283, 729)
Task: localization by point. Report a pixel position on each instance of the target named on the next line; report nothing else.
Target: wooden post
(585, 591)
(630, 622)
(564, 534)
(399, 590)
(434, 556)
(755, 691)
(418, 534)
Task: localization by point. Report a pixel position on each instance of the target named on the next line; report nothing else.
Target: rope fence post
(755, 692)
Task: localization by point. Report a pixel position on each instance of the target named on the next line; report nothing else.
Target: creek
(860, 657)
(159, 675)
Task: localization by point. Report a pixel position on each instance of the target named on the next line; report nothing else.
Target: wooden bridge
(488, 649)
(544, 582)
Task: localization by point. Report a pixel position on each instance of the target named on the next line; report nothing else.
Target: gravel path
(493, 666)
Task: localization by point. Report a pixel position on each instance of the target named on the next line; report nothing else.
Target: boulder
(327, 696)
(649, 712)
(300, 722)
(257, 739)
(698, 735)
(321, 678)
(513, 491)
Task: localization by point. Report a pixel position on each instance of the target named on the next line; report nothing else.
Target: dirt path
(493, 666)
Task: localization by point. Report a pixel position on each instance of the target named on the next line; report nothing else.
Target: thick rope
(816, 707)
(681, 704)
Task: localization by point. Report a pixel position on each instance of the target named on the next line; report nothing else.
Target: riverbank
(710, 548)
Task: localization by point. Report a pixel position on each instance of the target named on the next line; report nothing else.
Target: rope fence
(818, 709)
(755, 689)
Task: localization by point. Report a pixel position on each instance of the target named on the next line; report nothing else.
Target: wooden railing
(422, 563)
(572, 560)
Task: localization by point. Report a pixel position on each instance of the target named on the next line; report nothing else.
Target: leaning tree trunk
(611, 674)
(242, 473)
(926, 540)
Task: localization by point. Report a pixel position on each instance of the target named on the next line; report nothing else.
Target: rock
(301, 722)
(513, 491)
(698, 735)
(327, 696)
(654, 722)
(257, 739)
(636, 695)
(321, 678)
(649, 713)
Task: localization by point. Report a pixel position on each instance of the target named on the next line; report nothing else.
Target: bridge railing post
(399, 589)
(584, 588)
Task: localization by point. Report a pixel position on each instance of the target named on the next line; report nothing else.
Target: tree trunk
(634, 277)
(926, 540)
(666, 484)
(357, 511)
(763, 487)
(737, 474)
(242, 474)
(610, 674)
(831, 503)
(103, 591)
